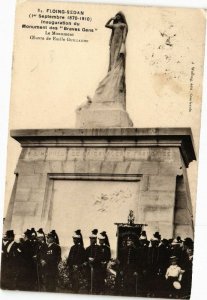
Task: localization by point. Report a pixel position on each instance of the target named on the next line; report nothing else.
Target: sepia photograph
(103, 143)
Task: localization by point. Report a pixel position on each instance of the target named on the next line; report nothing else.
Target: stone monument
(93, 175)
(108, 106)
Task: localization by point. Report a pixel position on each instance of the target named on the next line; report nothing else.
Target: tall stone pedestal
(90, 178)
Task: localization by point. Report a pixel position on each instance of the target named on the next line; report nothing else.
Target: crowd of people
(156, 267)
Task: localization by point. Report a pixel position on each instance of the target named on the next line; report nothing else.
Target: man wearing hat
(105, 257)
(56, 238)
(27, 278)
(78, 232)
(50, 263)
(128, 267)
(153, 263)
(104, 234)
(142, 255)
(176, 249)
(187, 265)
(93, 256)
(10, 259)
(40, 251)
(76, 261)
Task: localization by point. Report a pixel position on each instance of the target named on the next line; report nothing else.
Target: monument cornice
(110, 137)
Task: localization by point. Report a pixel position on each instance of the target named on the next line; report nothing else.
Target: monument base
(90, 178)
(102, 118)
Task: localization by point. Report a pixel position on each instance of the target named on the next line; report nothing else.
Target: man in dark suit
(76, 261)
(10, 259)
(93, 256)
(105, 257)
(50, 263)
(128, 267)
(40, 252)
(27, 277)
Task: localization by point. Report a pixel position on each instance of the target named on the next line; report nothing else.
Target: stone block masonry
(155, 158)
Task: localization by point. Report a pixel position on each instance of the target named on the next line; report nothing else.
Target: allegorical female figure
(118, 38)
(112, 89)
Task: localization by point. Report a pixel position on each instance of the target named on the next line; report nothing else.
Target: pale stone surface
(69, 167)
(182, 216)
(108, 167)
(25, 208)
(184, 231)
(37, 195)
(17, 222)
(134, 167)
(116, 154)
(23, 194)
(90, 118)
(162, 183)
(76, 154)
(149, 168)
(122, 167)
(166, 168)
(42, 167)
(154, 214)
(95, 166)
(25, 168)
(95, 154)
(145, 183)
(56, 166)
(27, 181)
(36, 154)
(56, 154)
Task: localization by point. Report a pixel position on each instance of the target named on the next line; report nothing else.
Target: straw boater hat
(177, 285)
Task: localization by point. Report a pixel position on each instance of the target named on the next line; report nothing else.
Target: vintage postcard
(103, 149)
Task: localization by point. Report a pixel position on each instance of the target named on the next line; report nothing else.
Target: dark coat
(10, 265)
(52, 258)
(94, 251)
(77, 256)
(128, 259)
(105, 253)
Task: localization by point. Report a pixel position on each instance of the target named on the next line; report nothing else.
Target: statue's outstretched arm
(108, 25)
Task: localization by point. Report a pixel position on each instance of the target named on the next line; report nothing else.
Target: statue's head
(120, 18)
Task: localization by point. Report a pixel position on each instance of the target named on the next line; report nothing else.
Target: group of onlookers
(156, 267)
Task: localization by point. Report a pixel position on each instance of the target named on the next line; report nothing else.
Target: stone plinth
(102, 118)
(147, 166)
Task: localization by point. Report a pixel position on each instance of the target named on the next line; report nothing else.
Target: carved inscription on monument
(162, 154)
(76, 154)
(115, 155)
(36, 154)
(95, 154)
(56, 154)
(137, 154)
